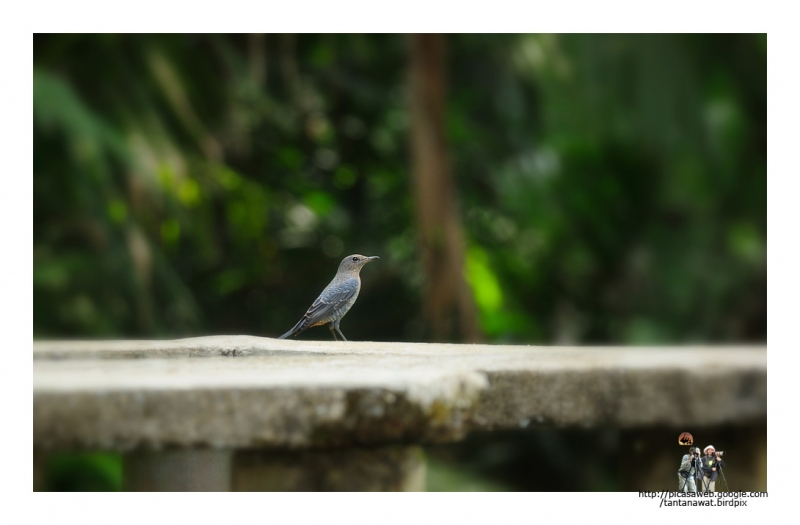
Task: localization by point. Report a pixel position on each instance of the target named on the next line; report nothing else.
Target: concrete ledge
(123, 395)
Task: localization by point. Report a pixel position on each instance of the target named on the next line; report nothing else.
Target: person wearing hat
(709, 469)
(687, 473)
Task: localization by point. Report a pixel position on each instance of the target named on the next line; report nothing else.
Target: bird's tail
(296, 329)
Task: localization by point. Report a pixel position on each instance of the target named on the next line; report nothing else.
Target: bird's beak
(373, 258)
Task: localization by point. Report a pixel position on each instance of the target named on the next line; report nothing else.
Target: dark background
(601, 189)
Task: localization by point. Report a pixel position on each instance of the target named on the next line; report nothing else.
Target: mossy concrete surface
(247, 392)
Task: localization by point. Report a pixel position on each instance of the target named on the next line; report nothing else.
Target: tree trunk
(449, 305)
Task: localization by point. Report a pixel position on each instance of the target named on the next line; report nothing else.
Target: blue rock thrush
(336, 299)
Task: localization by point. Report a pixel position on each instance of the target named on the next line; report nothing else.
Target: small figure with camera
(710, 467)
(688, 471)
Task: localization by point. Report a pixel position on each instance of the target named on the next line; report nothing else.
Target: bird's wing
(331, 300)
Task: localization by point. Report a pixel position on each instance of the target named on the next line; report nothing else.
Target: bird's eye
(355, 259)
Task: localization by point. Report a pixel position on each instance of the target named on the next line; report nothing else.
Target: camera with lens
(720, 453)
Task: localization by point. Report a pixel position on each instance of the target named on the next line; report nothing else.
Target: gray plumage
(336, 299)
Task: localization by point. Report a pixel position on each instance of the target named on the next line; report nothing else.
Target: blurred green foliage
(83, 472)
(612, 187)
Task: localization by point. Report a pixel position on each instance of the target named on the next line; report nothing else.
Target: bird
(336, 299)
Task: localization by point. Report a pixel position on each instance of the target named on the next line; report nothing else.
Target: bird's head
(354, 263)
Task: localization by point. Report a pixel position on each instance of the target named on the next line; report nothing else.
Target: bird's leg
(332, 332)
(340, 332)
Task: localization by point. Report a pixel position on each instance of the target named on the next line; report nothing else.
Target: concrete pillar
(760, 460)
(202, 470)
(39, 467)
(349, 470)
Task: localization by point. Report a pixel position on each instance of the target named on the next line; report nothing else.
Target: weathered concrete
(299, 394)
(350, 470)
